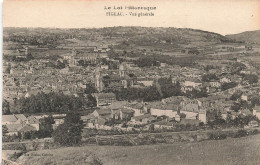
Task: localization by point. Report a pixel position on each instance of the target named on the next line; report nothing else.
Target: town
(125, 80)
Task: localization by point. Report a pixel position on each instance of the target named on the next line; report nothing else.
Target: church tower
(98, 80)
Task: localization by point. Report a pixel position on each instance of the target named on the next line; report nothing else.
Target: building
(160, 109)
(203, 116)
(14, 119)
(256, 111)
(143, 119)
(102, 113)
(138, 108)
(75, 58)
(104, 98)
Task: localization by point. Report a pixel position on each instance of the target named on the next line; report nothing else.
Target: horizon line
(127, 26)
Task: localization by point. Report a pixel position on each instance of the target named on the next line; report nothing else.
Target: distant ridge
(248, 36)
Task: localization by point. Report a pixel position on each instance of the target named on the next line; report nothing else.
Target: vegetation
(167, 89)
(52, 102)
(197, 93)
(176, 153)
(226, 86)
(209, 77)
(131, 94)
(251, 78)
(46, 128)
(69, 133)
(155, 60)
(5, 107)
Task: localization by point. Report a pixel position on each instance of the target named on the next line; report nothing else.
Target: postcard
(112, 82)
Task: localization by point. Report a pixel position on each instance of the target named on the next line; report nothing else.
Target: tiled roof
(20, 116)
(27, 128)
(9, 118)
(13, 127)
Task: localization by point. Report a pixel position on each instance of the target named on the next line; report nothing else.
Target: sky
(221, 16)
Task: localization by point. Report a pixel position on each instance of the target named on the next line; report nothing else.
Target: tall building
(98, 78)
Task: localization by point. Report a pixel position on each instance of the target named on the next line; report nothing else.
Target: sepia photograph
(130, 82)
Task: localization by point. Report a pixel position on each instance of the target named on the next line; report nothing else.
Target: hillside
(227, 152)
(133, 36)
(249, 36)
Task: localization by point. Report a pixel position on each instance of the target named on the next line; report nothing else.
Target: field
(232, 151)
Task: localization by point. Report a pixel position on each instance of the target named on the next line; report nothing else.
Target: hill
(231, 151)
(248, 36)
(141, 36)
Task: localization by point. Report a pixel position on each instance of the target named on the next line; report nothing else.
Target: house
(35, 122)
(102, 113)
(164, 125)
(189, 121)
(27, 128)
(191, 111)
(89, 120)
(104, 98)
(215, 84)
(225, 80)
(13, 129)
(143, 119)
(160, 109)
(14, 119)
(138, 108)
(8, 119)
(256, 111)
(126, 114)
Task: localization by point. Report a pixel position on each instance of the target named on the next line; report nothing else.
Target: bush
(240, 133)
(217, 136)
(254, 132)
(15, 156)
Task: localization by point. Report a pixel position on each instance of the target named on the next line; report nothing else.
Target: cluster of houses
(139, 114)
(19, 123)
(164, 113)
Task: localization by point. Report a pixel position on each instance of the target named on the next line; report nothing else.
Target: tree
(29, 57)
(4, 130)
(46, 128)
(209, 77)
(226, 86)
(69, 133)
(255, 101)
(182, 115)
(236, 106)
(6, 107)
(92, 102)
(90, 88)
(236, 96)
(151, 128)
(60, 65)
(251, 78)
(52, 102)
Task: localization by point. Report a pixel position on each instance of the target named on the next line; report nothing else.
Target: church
(75, 57)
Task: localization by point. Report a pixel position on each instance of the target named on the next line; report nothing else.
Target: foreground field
(231, 151)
